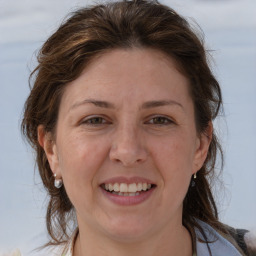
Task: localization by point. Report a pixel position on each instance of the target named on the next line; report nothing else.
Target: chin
(127, 230)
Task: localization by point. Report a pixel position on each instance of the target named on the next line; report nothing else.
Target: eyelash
(163, 120)
(94, 121)
(91, 121)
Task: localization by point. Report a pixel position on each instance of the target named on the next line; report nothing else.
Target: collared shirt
(219, 245)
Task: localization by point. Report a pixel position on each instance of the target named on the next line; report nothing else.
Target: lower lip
(128, 200)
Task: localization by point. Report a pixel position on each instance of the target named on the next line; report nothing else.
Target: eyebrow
(97, 103)
(160, 103)
(146, 105)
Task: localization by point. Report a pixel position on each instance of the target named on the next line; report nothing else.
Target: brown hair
(92, 31)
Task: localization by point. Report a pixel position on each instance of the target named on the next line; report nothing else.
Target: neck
(177, 241)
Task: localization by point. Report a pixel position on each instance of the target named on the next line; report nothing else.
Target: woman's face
(127, 124)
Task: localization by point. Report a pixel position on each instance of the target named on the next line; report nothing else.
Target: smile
(127, 194)
(124, 189)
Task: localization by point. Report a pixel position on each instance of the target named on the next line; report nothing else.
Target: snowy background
(230, 30)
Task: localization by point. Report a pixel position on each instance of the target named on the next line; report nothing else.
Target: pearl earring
(57, 182)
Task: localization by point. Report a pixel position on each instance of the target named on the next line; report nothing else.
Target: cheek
(80, 159)
(174, 156)
(174, 162)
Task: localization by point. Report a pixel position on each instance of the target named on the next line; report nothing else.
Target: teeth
(110, 187)
(144, 186)
(127, 189)
(123, 187)
(126, 194)
(116, 187)
(139, 186)
(132, 188)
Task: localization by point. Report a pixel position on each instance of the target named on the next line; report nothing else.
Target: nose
(127, 147)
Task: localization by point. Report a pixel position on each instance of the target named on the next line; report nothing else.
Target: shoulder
(210, 240)
(239, 236)
(245, 239)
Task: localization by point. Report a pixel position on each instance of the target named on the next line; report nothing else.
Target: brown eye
(160, 120)
(97, 120)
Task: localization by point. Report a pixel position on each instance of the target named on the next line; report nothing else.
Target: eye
(160, 120)
(94, 121)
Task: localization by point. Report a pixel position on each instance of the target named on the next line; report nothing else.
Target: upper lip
(127, 180)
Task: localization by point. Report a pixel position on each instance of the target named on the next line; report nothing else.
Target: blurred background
(230, 32)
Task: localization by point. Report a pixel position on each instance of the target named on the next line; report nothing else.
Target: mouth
(127, 190)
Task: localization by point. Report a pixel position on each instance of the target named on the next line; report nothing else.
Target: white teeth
(126, 194)
(127, 189)
(116, 187)
(144, 186)
(123, 187)
(132, 188)
(110, 187)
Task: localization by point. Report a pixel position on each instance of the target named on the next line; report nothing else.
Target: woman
(120, 115)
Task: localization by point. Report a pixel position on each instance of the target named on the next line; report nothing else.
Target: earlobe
(204, 141)
(45, 139)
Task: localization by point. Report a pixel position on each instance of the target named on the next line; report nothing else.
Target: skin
(130, 137)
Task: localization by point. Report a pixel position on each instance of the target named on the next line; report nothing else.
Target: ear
(202, 147)
(47, 142)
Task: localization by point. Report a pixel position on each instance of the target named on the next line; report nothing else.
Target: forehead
(140, 61)
(132, 74)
